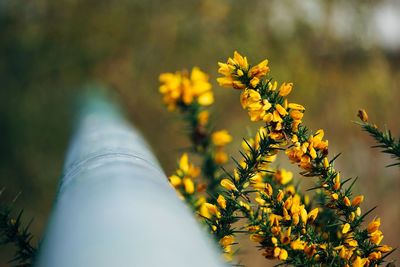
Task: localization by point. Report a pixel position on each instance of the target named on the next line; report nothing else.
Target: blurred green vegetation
(329, 49)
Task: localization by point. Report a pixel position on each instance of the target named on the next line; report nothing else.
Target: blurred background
(341, 56)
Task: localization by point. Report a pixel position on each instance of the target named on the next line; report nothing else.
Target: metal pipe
(114, 206)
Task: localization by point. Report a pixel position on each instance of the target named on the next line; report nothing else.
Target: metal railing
(114, 206)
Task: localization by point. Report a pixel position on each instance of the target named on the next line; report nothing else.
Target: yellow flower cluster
(226, 243)
(348, 250)
(238, 73)
(304, 153)
(282, 207)
(213, 214)
(271, 191)
(182, 88)
(280, 115)
(280, 238)
(182, 180)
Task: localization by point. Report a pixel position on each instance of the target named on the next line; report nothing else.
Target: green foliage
(385, 141)
(13, 232)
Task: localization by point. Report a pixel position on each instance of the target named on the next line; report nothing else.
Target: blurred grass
(49, 48)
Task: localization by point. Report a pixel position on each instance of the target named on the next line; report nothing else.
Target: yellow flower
(288, 202)
(280, 195)
(184, 163)
(199, 82)
(256, 107)
(239, 61)
(346, 201)
(227, 184)
(244, 205)
(221, 138)
(204, 211)
(334, 196)
(296, 114)
(206, 99)
(376, 255)
(290, 190)
(175, 181)
(274, 219)
(200, 201)
(326, 163)
(234, 68)
(189, 186)
(237, 67)
(286, 215)
(203, 117)
(220, 157)
(254, 82)
(282, 111)
(357, 200)
(346, 228)
(227, 240)
(295, 106)
(295, 125)
(277, 250)
(226, 82)
(312, 152)
(345, 253)
(170, 88)
(310, 249)
(298, 244)
(221, 201)
(358, 211)
(351, 242)
(376, 237)
(312, 215)
(285, 89)
(256, 178)
(259, 70)
(317, 141)
(212, 209)
(303, 215)
(336, 180)
(180, 88)
(283, 255)
(374, 225)
(272, 85)
(362, 114)
(226, 68)
(268, 189)
(260, 201)
(359, 262)
(276, 117)
(283, 176)
(187, 168)
(384, 249)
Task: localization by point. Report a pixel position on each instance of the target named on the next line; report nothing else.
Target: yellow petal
(206, 99)
(175, 180)
(228, 184)
(346, 228)
(189, 186)
(221, 201)
(221, 138)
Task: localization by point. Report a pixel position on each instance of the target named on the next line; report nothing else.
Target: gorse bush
(323, 226)
(323, 229)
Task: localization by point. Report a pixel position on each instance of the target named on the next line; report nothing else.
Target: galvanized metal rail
(114, 206)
